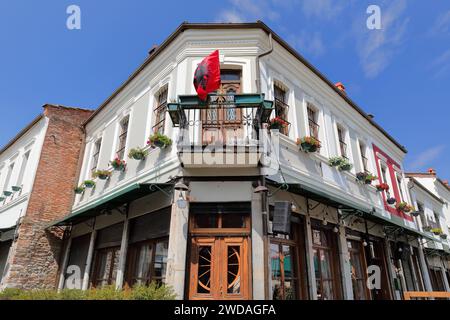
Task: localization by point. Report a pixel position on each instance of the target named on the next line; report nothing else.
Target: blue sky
(400, 73)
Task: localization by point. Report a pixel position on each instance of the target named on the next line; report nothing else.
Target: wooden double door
(219, 268)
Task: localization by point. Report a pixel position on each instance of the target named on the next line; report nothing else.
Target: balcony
(223, 131)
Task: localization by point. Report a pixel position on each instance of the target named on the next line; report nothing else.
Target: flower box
(2, 198)
(436, 231)
(404, 207)
(335, 161)
(7, 193)
(415, 213)
(89, 183)
(118, 164)
(443, 236)
(427, 228)
(391, 200)
(277, 123)
(345, 166)
(16, 188)
(102, 174)
(382, 187)
(309, 144)
(159, 140)
(365, 177)
(79, 190)
(137, 154)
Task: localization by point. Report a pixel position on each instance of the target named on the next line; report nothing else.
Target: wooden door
(219, 268)
(221, 120)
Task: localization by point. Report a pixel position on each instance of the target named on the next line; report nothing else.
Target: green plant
(137, 153)
(159, 140)
(335, 161)
(152, 292)
(345, 165)
(89, 183)
(2, 198)
(403, 206)
(7, 193)
(277, 123)
(16, 188)
(427, 228)
(102, 174)
(436, 231)
(79, 190)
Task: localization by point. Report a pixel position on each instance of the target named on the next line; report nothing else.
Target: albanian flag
(207, 75)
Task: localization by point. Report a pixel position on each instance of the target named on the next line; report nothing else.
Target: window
(342, 144)
(326, 264)
(8, 177)
(123, 137)
(385, 179)
(423, 219)
(364, 160)
(160, 111)
(437, 223)
(147, 262)
(312, 122)
(106, 265)
(281, 106)
(358, 270)
(23, 167)
(96, 154)
(400, 187)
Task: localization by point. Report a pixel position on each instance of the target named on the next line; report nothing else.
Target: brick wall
(36, 251)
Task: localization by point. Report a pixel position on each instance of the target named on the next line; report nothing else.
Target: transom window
(160, 110)
(123, 137)
(312, 122)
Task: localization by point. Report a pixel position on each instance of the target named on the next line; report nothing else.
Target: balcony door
(221, 120)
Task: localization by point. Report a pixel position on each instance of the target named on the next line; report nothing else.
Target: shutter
(150, 226)
(110, 236)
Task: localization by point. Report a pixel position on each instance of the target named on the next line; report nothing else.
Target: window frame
(124, 127)
(96, 154)
(342, 141)
(95, 280)
(313, 120)
(160, 109)
(281, 90)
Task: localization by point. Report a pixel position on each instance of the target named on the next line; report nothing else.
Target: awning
(7, 234)
(368, 213)
(130, 193)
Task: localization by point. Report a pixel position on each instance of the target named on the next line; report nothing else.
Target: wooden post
(123, 253)
(89, 257)
(62, 275)
(310, 256)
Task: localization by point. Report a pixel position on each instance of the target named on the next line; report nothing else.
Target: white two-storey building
(234, 208)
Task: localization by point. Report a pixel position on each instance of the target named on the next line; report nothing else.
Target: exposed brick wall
(36, 252)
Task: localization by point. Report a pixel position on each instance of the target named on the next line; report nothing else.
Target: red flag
(207, 75)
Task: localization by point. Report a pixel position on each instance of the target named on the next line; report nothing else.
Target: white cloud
(442, 24)
(376, 48)
(426, 158)
(324, 9)
(309, 42)
(441, 64)
(249, 10)
(230, 16)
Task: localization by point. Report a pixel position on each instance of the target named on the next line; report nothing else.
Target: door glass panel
(327, 290)
(233, 220)
(206, 221)
(234, 269)
(204, 269)
(276, 272)
(325, 264)
(159, 269)
(142, 267)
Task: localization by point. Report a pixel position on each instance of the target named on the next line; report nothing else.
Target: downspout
(258, 69)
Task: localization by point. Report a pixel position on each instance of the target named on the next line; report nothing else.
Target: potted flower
(2, 199)
(16, 188)
(159, 140)
(436, 231)
(137, 154)
(443, 236)
(79, 190)
(102, 174)
(403, 206)
(308, 144)
(335, 161)
(365, 177)
(277, 123)
(7, 193)
(89, 183)
(415, 213)
(345, 165)
(382, 187)
(118, 164)
(427, 228)
(391, 200)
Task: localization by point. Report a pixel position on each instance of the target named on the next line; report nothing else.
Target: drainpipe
(258, 69)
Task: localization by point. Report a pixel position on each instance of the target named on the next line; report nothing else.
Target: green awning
(129, 193)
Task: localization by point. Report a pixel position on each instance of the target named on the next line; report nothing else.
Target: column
(344, 261)
(424, 268)
(444, 276)
(62, 275)
(259, 259)
(176, 259)
(89, 257)
(312, 287)
(123, 254)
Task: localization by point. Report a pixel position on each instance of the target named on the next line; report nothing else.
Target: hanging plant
(436, 231)
(443, 236)
(137, 154)
(403, 206)
(277, 123)
(7, 193)
(382, 187)
(365, 177)
(159, 140)
(89, 183)
(309, 144)
(391, 200)
(16, 188)
(2, 198)
(345, 165)
(79, 190)
(415, 213)
(118, 164)
(102, 174)
(427, 228)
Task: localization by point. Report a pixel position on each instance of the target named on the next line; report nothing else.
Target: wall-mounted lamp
(261, 189)
(180, 186)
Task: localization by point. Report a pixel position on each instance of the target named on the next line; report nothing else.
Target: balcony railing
(227, 119)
